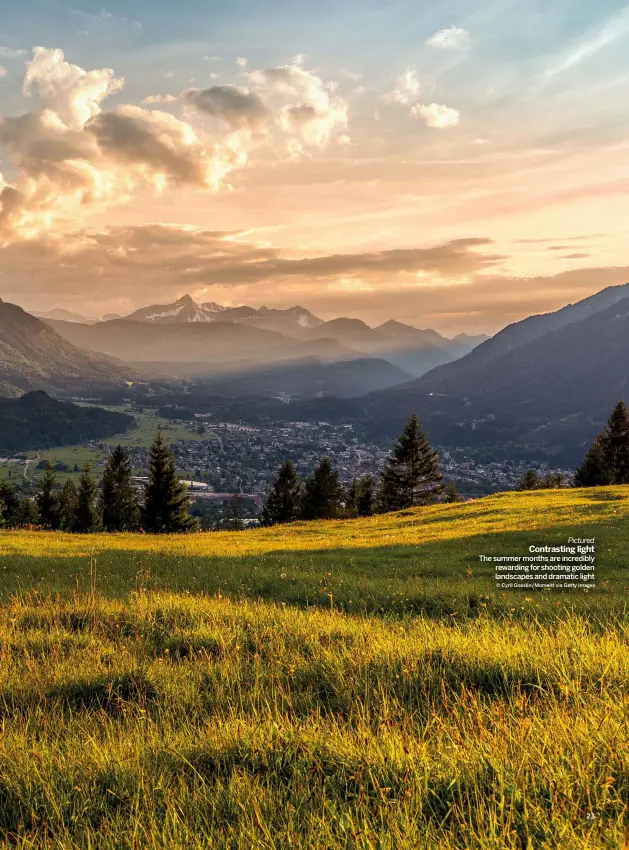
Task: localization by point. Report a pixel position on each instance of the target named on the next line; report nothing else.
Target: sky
(458, 165)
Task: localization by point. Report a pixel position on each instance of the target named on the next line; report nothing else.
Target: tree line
(606, 462)
(164, 507)
(411, 477)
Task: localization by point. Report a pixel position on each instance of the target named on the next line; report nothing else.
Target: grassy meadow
(328, 685)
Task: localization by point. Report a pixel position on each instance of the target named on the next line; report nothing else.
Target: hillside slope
(545, 398)
(36, 421)
(33, 356)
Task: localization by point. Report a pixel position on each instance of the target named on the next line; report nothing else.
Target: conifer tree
(411, 475)
(594, 471)
(361, 497)
(47, 501)
(529, 481)
(86, 517)
(615, 441)
(119, 505)
(452, 495)
(323, 493)
(27, 514)
(284, 498)
(68, 502)
(9, 506)
(166, 503)
(607, 460)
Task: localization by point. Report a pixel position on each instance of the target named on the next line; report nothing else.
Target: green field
(142, 435)
(328, 685)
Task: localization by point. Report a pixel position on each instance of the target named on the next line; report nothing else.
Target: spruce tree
(27, 514)
(365, 495)
(323, 493)
(119, 505)
(9, 506)
(166, 503)
(529, 481)
(615, 441)
(452, 495)
(47, 501)
(594, 471)
(284, 498)
(411, 475)
(86, 517)
(68, 502)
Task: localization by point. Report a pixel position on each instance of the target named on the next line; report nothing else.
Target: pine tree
(411, 475)
(529, 481)
(323, 493)
(236, 513)
(86, 517)
(166, 503)
(119, 505)
(365, 495)
(594, 471)
(452, 495)
(284, 498)
(9, 506)
(607, 460)
(27, 514)
(615, 441)
(68, 502)
(47, 501)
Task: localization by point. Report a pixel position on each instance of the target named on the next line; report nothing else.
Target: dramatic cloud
(72, 155)
(307, 110)
(407, 87)
(237, 106)
(458, 284)
(439, 117)
(136, 264)
(453, 38)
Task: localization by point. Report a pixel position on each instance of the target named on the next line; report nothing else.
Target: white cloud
(11, 53)
(73, 156)
(241, 62)
(439, 117)
(160, 98)
(3, 71)
(453, 38)
(407, 87)
(306, 109)
(73, 94)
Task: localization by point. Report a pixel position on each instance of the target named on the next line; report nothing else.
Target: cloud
(453, 284)
(160, 98)
(453, 38)
(72, 155)
(158, 261)
(241, 62)
(11, 53)
(407, 87)
(235, 105)
(309, 111)
(595, 40)
(73, 94)
(3, 71)
(439, 117)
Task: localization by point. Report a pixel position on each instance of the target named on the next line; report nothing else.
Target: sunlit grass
(329, 685)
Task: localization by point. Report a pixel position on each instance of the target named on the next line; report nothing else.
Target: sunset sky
(457, 165)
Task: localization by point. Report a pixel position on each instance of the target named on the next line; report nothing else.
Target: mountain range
(227, 338)
(33, 356)
(543, 386)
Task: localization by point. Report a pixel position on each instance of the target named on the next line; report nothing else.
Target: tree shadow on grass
(444, 578)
